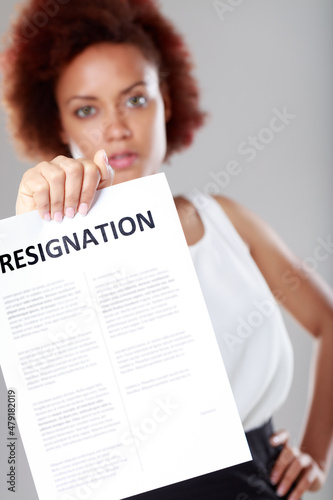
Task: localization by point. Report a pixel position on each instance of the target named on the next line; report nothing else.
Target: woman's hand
(63, 186)
(293, 468)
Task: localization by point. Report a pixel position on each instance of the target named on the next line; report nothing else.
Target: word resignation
(58, 247)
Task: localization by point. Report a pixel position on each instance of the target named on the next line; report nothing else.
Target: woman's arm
(310, 300)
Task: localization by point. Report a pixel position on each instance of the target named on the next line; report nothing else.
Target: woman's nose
(115, 126)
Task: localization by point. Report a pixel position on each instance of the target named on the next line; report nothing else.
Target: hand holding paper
(63, 186)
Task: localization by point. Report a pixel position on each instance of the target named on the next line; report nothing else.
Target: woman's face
(109, 98)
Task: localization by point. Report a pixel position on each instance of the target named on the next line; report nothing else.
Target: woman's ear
(167, 101)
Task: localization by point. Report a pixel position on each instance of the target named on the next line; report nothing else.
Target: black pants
(247, 481)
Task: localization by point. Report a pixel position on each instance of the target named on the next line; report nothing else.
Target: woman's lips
(122, 160)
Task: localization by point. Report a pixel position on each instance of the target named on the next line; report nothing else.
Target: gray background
(261, 55)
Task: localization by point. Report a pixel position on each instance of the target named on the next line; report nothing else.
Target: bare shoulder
(262, 240)
(305, 296)
(253, 229)
(270, 252)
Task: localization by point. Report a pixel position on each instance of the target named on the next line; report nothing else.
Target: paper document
(107, 345)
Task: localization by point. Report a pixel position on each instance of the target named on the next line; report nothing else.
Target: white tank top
(247, 321)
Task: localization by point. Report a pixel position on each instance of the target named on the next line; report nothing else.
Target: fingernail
(107, 164)
(83, 209)
(106, 159)
(58, 217)
(69, 212)
(275, 440)
(273, 479)
(280, 491)
(47, 216)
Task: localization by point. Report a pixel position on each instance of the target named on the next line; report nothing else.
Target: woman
(114, 80)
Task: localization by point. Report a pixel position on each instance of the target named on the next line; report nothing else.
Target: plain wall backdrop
(255, 59)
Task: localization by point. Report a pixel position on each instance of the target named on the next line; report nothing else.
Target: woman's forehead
(106, 64)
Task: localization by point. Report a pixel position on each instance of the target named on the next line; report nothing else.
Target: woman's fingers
(70, 186)
(297, 464)
(302, 475)
(90, 183)
(97, 175)
(305, 478)
(311, 479)
(283, 461)
(54, 173)
(294, 471)
(63, 186)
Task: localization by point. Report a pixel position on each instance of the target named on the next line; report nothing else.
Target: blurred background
(255, 59)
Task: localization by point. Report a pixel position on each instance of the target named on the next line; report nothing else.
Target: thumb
(107, 172)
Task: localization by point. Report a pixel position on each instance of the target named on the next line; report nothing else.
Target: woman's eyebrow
(93, 98)
(87, 97)
(141, 82)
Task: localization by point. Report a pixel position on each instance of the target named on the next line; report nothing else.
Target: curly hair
(48, 34)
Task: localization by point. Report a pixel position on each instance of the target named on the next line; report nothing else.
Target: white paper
(120, 383)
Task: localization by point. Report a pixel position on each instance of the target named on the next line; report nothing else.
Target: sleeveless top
(246, 318)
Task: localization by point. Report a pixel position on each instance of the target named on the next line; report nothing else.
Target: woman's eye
(85, 111)
(137, 101)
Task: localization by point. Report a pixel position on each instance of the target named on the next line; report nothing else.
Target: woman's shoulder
(238, 215)
(254, 231)
(252, 228)
(267, 248)
(193, 225)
